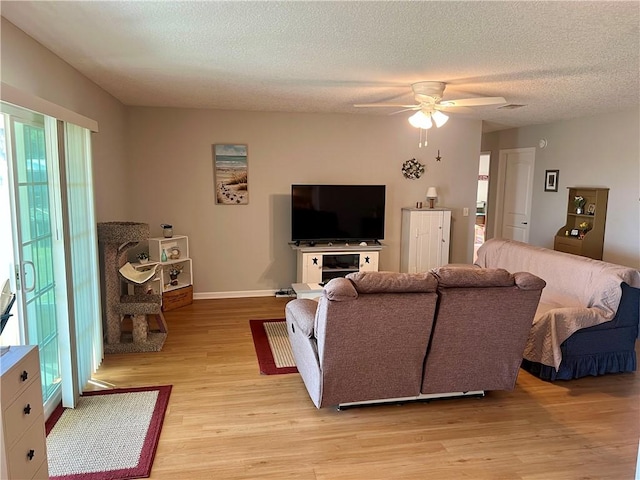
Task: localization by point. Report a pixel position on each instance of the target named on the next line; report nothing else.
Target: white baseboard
(239, 294)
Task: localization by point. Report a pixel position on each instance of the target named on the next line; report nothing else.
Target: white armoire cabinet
(425, 239)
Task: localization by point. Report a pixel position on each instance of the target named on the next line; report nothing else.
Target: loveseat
(382, 336)
(587, 320)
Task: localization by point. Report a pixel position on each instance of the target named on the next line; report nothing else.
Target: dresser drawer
(24, 410)
(568, 245)
(19, 463)
(20, 366)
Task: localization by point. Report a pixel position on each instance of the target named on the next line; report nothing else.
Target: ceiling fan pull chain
(421, 143)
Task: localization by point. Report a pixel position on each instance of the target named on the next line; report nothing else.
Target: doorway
(482, 202)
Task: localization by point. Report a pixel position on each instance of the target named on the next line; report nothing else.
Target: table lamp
(432, 194)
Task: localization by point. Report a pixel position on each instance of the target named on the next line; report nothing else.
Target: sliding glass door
(34, 174)
(48, 199)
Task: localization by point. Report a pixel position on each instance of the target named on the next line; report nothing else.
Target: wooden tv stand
(322, 262)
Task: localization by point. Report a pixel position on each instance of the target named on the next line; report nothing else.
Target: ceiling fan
(429, 104)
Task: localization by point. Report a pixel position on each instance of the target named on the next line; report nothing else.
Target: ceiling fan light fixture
(428, 96)
(421, 120)
(439, 118)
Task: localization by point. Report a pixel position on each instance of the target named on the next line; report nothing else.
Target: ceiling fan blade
(451, 109)
(359, 105)
(415, 107)
(474, 102)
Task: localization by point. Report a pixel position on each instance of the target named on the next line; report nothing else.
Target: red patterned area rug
(110, 435)
(272, 346)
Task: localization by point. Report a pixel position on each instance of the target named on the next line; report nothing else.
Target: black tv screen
(337, 212)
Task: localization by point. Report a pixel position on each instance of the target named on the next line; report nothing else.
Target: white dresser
(425, 239)
(23, 445)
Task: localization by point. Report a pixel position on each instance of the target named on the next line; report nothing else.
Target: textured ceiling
(559, 59)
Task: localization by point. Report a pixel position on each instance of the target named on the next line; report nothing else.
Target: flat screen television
(333, 213)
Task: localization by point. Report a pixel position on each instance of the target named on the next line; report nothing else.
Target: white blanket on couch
(580, 292)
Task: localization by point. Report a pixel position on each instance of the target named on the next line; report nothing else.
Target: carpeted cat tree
(114, 239)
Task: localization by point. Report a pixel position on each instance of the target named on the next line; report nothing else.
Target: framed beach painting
(230, 174)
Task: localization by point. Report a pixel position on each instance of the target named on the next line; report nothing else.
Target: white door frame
(500, 192)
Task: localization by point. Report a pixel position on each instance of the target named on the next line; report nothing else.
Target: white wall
(601, 151)
(245, 248)
(28, 66)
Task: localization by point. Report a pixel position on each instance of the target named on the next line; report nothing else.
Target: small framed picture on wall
(551, 180)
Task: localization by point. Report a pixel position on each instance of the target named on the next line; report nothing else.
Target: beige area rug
(272, 346)
(110, 435)
(279, 344)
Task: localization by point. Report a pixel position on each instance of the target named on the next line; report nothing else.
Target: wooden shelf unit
(181, 243)
(591, 245)
(177, 295)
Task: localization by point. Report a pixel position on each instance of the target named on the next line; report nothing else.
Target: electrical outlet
(465, 212)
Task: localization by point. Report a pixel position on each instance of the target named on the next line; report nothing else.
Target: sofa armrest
(340, 290)
(302, 313)
(528, 281)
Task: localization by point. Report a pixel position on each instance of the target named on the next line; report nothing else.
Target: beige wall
(28, 66)
(245, 248)
(155, 165)
(602, 151)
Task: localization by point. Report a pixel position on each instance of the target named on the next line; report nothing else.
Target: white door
(515, 192)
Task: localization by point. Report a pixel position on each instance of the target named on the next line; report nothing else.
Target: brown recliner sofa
(382, 336)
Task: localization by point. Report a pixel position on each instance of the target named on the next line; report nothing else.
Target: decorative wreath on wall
(412, 169)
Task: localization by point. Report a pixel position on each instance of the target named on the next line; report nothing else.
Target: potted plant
(579, 202)
(174, 271)
(143, 257)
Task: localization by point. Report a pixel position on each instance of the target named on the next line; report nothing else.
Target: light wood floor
(226, 421)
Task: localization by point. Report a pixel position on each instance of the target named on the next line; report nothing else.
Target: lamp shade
(439, 118)
(421, 120)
